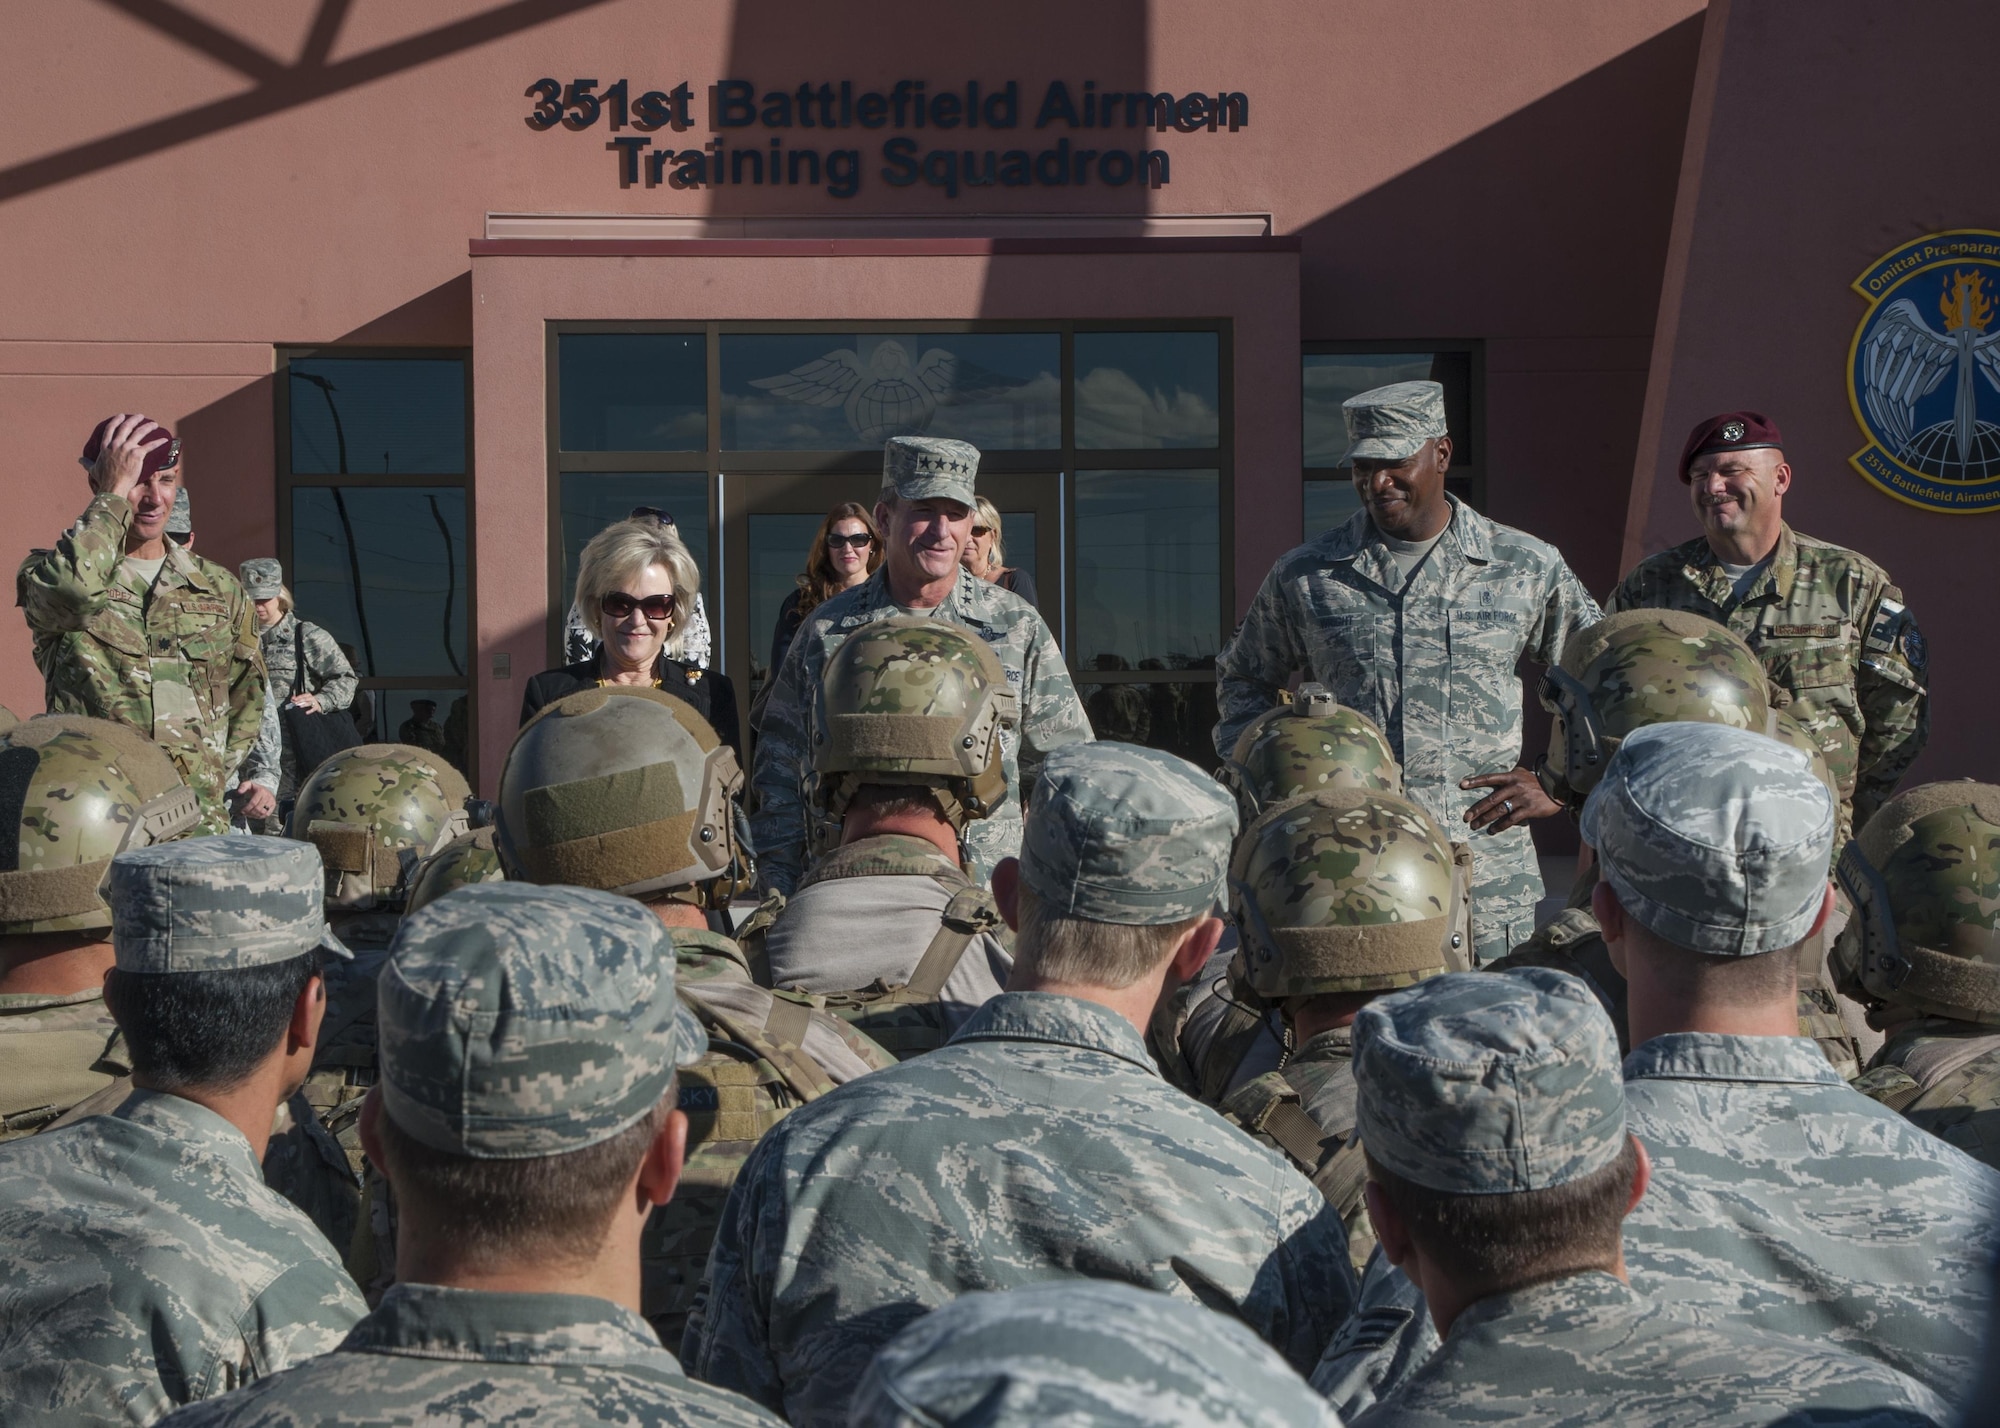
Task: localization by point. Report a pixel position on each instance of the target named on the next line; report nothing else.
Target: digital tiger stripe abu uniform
(1416, 612)
(1039, 1143)
(1829, 625)
(1494, 1101)
(522, 1027)
(629, 790)
(926, 511)
(1783, 1200)
(1922, 952)
(146, 1263)
(129, 626)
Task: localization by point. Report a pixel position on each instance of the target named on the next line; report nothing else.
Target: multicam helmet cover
(1347, 891)
(467, 859)
(1924, 877)
(912, 701)
(1306, 746)
(1641, 667)
(623, 789)
(74, 792)
(374, 812)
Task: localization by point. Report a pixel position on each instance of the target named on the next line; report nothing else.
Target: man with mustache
(1415, 613)
(1827, 623)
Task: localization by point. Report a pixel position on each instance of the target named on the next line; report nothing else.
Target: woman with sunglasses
(844, 553)
(986, 557)
(635, 584)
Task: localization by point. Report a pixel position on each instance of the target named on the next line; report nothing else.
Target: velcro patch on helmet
(343, 847)
(1369, 958)
(891, 736)
(44, 894)
(589, 807)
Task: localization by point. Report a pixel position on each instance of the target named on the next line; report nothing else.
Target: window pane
(1017, 541)
(853, 391)
(633, 391)
(402, 416)
(1329, 504)
(1178, 717)
(383, 569)
(433, 719)
(1147, 570)
(779, 545)
(1332, 377)
(591, 501)
(1147, 390)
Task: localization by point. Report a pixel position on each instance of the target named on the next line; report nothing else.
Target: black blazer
(712, 695)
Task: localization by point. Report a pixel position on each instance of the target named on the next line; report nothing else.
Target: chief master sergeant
(131, 627)
(1827, 622)
(1415, 613)
(926, 510)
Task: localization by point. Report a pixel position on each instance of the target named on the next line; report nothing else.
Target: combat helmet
(1344, 891)
(74, 791)
(467, 859)
(374, 812)
(1306, 746)
(624, 789)
(1924, 878)
(1641, 667)
(917, 702)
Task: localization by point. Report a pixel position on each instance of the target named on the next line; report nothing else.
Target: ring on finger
(1507, 805)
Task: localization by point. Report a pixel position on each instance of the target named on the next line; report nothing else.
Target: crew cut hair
(619, 552)
(1058, 947)
(1490, 1244)
(205, 1029)
(545, 1208)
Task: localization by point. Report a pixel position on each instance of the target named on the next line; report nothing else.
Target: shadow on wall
(925, 156)
(278, 84)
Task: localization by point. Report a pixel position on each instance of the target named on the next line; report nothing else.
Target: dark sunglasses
(982, 530)
(860, 540)
(618, 605)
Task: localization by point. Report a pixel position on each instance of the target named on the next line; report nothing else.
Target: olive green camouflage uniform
(1337, 893)
(179, 662)
(146, 1262)
(1832, 631)
(1076, 1352)
(631, 790)
(84, 789)
(1050, 715)
(518, 1023)
(1921, 952)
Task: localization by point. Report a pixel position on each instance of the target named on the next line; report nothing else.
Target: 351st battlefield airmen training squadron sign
(1924, 372)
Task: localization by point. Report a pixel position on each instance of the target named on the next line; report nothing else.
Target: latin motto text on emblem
(1923, 374)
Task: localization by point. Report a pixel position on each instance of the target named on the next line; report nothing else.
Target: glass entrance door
(769, 520)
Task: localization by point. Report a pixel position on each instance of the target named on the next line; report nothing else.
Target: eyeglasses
(618, 605)
(860, 540)
(640, 513)
(982, 530)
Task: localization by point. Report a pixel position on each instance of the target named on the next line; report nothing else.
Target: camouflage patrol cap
(520, 1021)
(1924, 877)
(913, 701)
(1308, 746)
(263, 578)
(217, 904)
(1392, 423)
(374, 812)
(1343, 892)
(1714, 839)
(930, 468)
(621, 788)
(74, 791)
(1119, 833)
(1489, 1083)
(1081, 1351)
(180, 520)
(1641, 667)
(467, 859)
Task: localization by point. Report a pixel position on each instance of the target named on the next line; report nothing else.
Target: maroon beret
(1732, 431)
(159, 458)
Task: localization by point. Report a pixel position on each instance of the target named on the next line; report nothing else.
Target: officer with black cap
(1827, 622)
